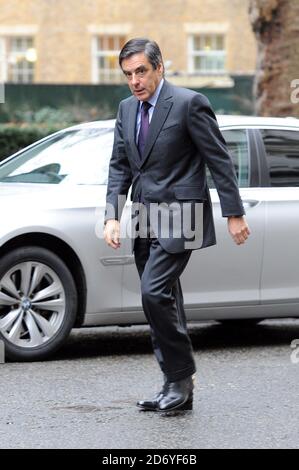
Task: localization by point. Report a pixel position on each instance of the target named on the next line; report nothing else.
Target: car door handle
(118, 260)
(250, 202)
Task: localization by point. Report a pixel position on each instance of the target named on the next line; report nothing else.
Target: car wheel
(38, 303)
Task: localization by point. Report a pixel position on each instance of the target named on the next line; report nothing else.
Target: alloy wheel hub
(25, 304)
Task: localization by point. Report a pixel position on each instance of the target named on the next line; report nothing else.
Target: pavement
(246, 393)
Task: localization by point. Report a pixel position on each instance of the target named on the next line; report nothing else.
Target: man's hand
(238, 228)
(112, 233)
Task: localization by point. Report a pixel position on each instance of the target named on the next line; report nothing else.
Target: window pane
(101, 62)
(111, 44)
(219, 62)
(122, 40)
(107, 57)
(72, 157)
(282, 150)
(112, 62)
(208, 43)
(196, 43)
(198, 65)
(219, 43)
(20, 69)
(16, 44)
(237, 145)
(208, 53)
(210, 63)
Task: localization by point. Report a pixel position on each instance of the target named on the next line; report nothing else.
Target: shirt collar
(153, 100)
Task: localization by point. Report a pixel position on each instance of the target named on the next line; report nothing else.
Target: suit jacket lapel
(160, 114)
(132, 130)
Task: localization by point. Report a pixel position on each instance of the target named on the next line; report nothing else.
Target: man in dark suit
(164, 138)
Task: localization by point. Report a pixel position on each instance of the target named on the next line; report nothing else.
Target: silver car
(56, 272)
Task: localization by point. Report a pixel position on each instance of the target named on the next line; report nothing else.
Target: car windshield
(75, 156)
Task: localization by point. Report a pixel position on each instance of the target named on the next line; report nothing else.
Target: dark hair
(137, 45)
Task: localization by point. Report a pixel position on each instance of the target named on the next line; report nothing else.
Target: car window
(237, 144)
(282, 153)
(75, 156)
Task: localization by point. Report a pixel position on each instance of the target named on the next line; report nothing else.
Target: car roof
(224, 120)
(255, 121)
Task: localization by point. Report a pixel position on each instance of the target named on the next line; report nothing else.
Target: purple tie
(144, 126)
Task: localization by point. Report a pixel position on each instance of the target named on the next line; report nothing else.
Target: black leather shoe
(152, 404)
(179, 396)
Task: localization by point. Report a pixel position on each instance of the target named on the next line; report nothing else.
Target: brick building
(203, 42)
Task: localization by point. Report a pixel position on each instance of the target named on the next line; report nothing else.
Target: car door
(228, 274)
(224, 274)
(280, 273)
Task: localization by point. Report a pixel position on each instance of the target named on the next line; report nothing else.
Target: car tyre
(38, 303)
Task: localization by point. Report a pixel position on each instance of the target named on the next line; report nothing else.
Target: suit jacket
(183, 138)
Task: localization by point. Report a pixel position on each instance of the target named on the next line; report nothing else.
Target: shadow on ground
(104, 341)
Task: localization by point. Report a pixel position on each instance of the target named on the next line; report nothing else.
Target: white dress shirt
(153, 101)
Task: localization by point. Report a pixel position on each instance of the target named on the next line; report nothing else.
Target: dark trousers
(163, 305)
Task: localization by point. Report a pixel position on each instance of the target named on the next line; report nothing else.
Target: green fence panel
(235, 100)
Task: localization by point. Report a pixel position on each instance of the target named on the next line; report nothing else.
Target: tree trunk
(276, 26)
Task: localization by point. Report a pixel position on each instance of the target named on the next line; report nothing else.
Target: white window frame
(109, 76)
(27, 74)
(192, 53)
(6, 55)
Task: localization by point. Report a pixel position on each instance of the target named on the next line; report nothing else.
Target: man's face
(143, 79)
